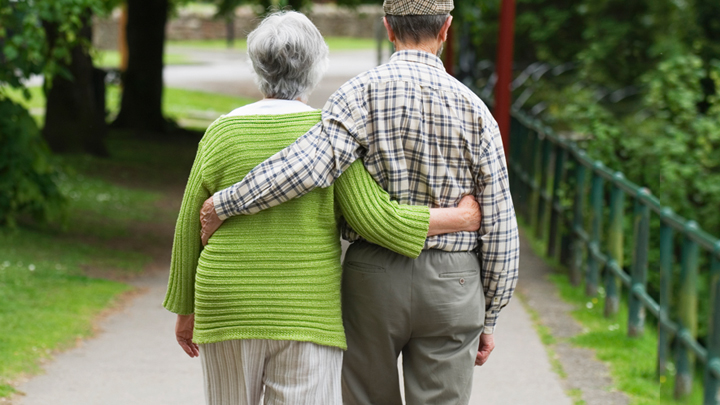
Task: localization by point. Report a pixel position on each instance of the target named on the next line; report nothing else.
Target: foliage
(28, 172)
(632, 361)
(25, 49)
(639, 91)
(28, 181)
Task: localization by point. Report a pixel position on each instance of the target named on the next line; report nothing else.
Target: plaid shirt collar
(412, 55)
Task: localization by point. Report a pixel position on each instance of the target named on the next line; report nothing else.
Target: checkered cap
(417, 7)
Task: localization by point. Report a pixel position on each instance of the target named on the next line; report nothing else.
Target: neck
(429, 47)
(300, 99)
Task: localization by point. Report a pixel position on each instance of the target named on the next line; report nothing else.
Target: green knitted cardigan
(275, 274)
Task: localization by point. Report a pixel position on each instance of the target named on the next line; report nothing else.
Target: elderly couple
(266, 304)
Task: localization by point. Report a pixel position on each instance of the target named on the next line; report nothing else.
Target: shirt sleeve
(368, 209)
(180, 295)
(315, 160)
(499, 244)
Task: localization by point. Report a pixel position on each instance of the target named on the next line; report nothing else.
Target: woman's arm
(180, 296)
(398, 227)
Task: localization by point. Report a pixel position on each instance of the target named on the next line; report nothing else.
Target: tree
(141, 104)
(75, 107)
(28, 172)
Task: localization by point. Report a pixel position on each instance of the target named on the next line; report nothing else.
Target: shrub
(28, 172)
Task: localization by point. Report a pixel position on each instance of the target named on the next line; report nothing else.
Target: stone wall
(199, 24)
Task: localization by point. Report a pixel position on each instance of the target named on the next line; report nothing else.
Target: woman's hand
(465, 217)
(184, 334)
(470, 210)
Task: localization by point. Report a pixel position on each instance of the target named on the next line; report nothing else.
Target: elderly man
(427, 140)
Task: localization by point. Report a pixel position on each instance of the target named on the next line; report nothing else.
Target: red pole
(504, 71)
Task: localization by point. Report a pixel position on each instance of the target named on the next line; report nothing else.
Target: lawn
(55, 279)
(47, 299)
(111, 59)
(194, 109)
(334, 43)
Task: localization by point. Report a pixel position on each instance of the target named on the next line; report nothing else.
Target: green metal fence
(578, 206)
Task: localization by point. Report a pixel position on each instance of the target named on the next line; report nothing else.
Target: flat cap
(417, 7)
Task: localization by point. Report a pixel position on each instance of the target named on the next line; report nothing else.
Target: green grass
(54, 278)
(632, 361)
(46, 300)
(194, 109)
(334, 43)
(111, 59)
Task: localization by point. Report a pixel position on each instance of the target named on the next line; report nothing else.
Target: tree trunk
(141, 105)
(75, 109)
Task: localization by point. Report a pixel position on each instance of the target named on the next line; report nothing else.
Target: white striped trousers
(236, 372)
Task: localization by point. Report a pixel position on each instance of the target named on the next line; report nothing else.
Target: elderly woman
(264, 294)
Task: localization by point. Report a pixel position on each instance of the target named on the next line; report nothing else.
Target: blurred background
(103, 102)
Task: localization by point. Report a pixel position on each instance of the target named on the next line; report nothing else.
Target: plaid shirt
(426, 139)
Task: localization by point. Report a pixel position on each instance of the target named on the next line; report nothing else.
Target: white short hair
(288, 54)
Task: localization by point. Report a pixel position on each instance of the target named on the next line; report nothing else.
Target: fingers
(192, 349)
(482, 357)
(209, 221)
(467, 202)
(487, 345)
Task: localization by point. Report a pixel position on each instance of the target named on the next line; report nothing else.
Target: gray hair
(288, 54)
(414, 29)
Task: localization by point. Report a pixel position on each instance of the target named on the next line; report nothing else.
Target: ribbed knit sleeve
(369, 211)
(180, 294)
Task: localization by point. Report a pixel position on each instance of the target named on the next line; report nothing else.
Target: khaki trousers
(430, 309)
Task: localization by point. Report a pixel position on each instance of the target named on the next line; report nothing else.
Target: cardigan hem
(323, 339)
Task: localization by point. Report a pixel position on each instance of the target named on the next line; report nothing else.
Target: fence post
(712, 384)
(687, 311)
(636, 318)
(596, 199)
(579, 206)
(542, 192)
(534, 183)
(555, 206)
(615, 247)
(666, 265)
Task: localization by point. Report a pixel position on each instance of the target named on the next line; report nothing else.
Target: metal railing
(551, 180)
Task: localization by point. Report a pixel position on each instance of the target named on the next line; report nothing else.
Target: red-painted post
(504, 71)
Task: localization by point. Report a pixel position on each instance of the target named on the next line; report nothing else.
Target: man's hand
(487, 344)
(470, 210)
(184, 334)
(209, 220)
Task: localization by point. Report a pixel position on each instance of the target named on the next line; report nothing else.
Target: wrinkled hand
(487, 344)
(209, 220)
(184, 334)
(470, 212)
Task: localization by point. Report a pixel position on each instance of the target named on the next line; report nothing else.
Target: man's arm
(315, 160)
(498, 235)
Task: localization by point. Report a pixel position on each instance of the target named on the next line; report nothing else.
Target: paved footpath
(135, 360)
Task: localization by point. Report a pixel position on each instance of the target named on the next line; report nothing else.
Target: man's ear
(390, 33)
(444, 30)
